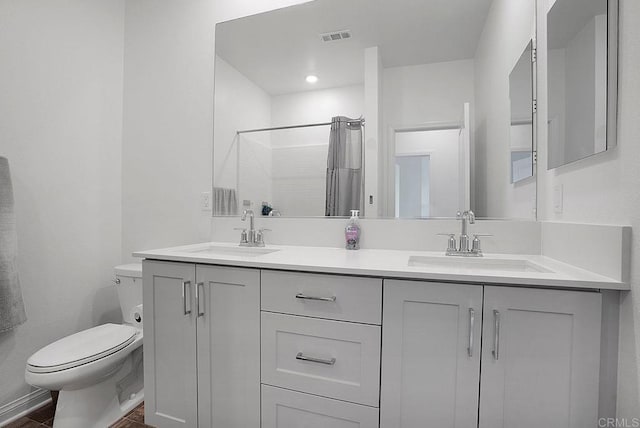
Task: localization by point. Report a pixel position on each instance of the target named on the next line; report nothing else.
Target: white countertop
(390, 264)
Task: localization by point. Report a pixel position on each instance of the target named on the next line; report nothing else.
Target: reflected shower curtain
(344, 167)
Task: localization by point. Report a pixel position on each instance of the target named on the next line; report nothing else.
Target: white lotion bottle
(352, 232)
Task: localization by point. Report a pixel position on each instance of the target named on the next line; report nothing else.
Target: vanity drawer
(323, 296)
(330, 358)
(282, 408)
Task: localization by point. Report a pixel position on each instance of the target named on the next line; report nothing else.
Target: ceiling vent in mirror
(335, 35)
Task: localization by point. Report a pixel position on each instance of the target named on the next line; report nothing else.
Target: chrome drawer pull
(185, 285)
(198, 295)
(303, 357)
(472, 318)
(322, 299)
(496, 335)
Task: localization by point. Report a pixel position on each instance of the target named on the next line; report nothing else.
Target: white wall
(604, 189)
(168, 114)
(508, 29)
(418, 95)
(60, 126)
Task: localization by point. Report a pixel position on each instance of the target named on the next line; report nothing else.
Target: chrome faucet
(466, 217)
(462, 249)
(252, 237)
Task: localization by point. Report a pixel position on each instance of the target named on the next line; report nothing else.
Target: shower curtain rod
(308, 125)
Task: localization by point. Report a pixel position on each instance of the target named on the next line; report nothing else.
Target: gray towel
(225, 201)
(12, 311)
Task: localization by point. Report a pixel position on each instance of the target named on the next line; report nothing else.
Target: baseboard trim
(24, 405)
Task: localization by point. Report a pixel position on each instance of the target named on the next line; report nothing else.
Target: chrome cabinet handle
(496, 335)
(185, 284)
(322, 299)
(472, 319)
(198, 285)
(303, 357)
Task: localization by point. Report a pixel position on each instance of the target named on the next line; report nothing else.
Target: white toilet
(98, 371)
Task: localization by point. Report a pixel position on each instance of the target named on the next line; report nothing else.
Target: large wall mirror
(582, 78)
(398, 108)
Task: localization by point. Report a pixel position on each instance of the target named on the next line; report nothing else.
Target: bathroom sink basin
(233, 251)
(479, 263)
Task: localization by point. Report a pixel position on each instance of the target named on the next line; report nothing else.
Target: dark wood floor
(133, 419)
(43, 417)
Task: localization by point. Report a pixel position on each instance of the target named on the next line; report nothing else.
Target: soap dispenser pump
(352, 231)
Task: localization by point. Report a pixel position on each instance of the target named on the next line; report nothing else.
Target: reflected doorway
(429, 173)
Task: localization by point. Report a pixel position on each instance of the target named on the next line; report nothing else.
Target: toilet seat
(82, 348)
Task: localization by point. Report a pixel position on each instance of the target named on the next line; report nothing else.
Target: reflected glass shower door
(412, 186)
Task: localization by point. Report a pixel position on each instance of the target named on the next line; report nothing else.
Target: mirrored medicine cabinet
(582, 47)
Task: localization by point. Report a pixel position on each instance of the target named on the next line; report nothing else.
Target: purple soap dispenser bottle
(352, 232)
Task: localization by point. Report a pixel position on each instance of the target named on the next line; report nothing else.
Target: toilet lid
(82, 348)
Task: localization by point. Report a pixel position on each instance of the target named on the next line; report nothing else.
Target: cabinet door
(284, 408)
(540, 358)
(430, 355)
(228, 313)
(169, 344)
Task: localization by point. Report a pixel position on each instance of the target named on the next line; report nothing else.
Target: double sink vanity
(285, 336)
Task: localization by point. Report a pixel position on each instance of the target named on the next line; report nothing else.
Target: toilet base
(102, 404)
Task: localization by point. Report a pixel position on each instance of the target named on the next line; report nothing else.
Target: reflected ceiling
(407, 33)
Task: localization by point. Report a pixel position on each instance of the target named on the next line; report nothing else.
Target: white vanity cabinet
(540, 356)
(202, 345)
(245, 347)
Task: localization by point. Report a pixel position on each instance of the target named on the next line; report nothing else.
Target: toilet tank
(129, 286)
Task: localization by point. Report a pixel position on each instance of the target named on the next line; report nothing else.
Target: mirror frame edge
(613, 46)
(613, 55)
